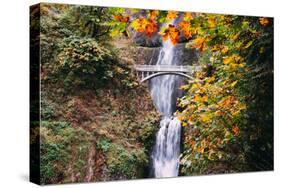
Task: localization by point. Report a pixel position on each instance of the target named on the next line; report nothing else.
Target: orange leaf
(184, 24)
(171, 15)
(146, 26)
(235, 130)
(153, 14)
(171, 33)
(188, 16)
(121, 18)
(185, 27)
(199, 43)
(190, 121)
(264, 21)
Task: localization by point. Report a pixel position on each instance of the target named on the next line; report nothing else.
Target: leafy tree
(76, 47)
(224, 119)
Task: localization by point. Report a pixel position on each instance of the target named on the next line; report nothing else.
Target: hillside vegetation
(98, 123)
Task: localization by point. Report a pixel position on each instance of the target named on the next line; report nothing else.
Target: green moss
(125, 163)
(148, 131)
(60, 145)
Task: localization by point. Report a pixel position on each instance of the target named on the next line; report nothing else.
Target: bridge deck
(166, 68)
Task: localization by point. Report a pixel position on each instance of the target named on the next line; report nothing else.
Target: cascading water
(165, 154)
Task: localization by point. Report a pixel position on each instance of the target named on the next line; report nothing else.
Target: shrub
(103, 144)
(123, 163)
(83, 62)
(148, 132)
(61, 144)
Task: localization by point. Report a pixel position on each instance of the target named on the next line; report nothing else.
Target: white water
(165, 155)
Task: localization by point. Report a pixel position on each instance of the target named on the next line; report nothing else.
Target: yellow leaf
(197, 98)
(184, 87)
(232, 59)
(114, 32)
(241, 65)
(212, 22)
(234, 37)
(181, 118)
(183, 124)
(234, 65)
(153, 14)
(248, 44)
(199, 43)
(227, 60)
(224, 49)
(205, 118)
(233, 83)
(188, 16)
(211, 151)
(171, 15)
(211, 79)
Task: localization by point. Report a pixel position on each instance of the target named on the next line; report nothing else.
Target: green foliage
(49, 39)
(83, 62)
(87, 21)
(47, 108)
(76, 50)
(59, 142)
(148, 131)
(103, 144)
(124, 163)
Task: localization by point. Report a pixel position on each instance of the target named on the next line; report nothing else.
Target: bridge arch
(166, 73)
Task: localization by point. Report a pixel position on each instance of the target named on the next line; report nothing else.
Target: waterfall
(163, 89)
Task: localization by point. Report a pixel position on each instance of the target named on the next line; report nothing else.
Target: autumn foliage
(172, 33)
(121, 18)
(216, 110)
(171, 15)
(146, 26)
(222, 109)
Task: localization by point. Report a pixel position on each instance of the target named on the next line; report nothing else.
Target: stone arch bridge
(146, 72)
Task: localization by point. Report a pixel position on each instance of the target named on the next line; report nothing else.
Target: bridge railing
(166, 68)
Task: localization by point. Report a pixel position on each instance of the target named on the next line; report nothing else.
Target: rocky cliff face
(141, 55)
